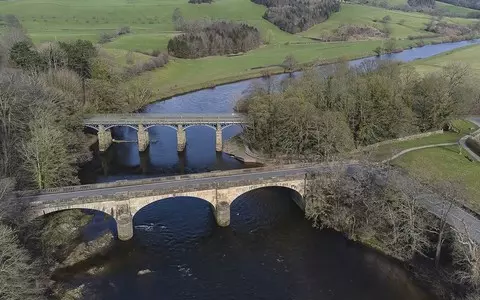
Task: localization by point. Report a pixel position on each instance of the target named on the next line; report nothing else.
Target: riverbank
(166, 82)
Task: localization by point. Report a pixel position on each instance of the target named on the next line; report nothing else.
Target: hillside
(151, 27)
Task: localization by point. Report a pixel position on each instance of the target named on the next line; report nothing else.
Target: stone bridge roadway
(123, 199)
(141, 122)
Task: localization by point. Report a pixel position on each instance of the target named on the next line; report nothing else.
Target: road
(164, 119)
(172, 182)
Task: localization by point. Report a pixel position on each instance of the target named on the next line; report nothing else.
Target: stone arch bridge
(122, 199)
(141, 122)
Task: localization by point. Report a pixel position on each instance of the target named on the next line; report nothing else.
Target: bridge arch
(200, 125)
(172, 217)
(121, 125)
(295, 190)
(161, 125)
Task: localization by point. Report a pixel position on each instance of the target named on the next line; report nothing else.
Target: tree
(378, 51)
(386, 19)
(19, 274)
(369, 204)
(177, 19)
(53, 55)
(289, 64)
(79, 59)
(26, 58)
(390, 45)
(466, 256)
(45, 154)
(269, 37)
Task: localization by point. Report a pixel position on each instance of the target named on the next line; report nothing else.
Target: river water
(269, 251)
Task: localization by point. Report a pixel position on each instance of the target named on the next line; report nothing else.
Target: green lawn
(385, 151)
(441, 5)
(445, 163)
(150, 20)
(403, 24)
(365, 15)
(468, 55)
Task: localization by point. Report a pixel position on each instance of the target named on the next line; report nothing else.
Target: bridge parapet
(213, 174)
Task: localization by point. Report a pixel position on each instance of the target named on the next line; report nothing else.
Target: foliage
(19, 276)
(106, 37)
(290, 63)
(294, 16)
(79, 56)
(371, 103)
(23, 56)
(177, 19)
(33, 130)
(216, 39)
(422, 3)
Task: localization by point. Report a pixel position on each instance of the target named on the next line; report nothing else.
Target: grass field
(385, 151)
(445, 163)
(441, 5)
(151, 25)
(468, 55)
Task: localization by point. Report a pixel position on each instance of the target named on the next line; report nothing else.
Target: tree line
(294, 16)
(318, 116)
(475, 4)
(381, 207)
(216, 38)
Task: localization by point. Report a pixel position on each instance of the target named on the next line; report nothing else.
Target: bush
(149, 65)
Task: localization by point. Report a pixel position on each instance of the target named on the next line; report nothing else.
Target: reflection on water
(269, 252)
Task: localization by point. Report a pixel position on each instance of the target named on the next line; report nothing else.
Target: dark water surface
(123, 161)
(269, 251)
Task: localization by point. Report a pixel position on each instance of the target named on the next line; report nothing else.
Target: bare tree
(45, 155)
(466, 256)
(366, 204)
(289, 64)
(19, 276)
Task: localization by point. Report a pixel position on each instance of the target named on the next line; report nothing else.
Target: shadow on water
(269, 252)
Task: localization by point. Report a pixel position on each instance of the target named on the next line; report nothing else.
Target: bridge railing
(173, 178)
(164, 118)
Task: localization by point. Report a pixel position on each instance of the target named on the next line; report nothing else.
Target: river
(122, 160)
(269, 251)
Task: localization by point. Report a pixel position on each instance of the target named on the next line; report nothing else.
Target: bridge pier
(222, 213)
(181, 138)
(124, 227)
(143, 139)
(218, 138)
(124, 222)
(104, 138)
